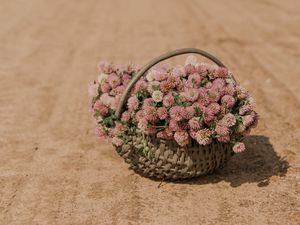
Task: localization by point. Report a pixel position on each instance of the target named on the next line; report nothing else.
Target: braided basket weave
(166, 159)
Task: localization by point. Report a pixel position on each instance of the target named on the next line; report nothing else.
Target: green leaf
(179, 102)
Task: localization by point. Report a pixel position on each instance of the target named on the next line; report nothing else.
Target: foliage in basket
(195, 102)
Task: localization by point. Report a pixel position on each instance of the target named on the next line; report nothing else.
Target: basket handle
(153, 62)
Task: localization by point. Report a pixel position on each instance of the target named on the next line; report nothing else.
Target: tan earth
(53, 170)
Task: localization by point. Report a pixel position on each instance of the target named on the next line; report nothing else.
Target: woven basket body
(167, 160)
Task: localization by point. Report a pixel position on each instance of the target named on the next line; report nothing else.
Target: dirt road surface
(53, 170)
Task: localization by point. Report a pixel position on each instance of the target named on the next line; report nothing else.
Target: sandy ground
(53, 170)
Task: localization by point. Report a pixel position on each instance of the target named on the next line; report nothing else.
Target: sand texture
(53, 170)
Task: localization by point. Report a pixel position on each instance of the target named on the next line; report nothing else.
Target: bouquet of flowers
(192, 103)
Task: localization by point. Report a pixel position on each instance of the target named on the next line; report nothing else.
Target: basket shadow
(256, 165)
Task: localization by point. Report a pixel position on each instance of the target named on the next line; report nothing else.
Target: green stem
(158, 126)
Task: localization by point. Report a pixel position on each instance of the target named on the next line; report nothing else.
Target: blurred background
(53, 170)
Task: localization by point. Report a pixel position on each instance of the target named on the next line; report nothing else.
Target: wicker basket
(166, 159)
